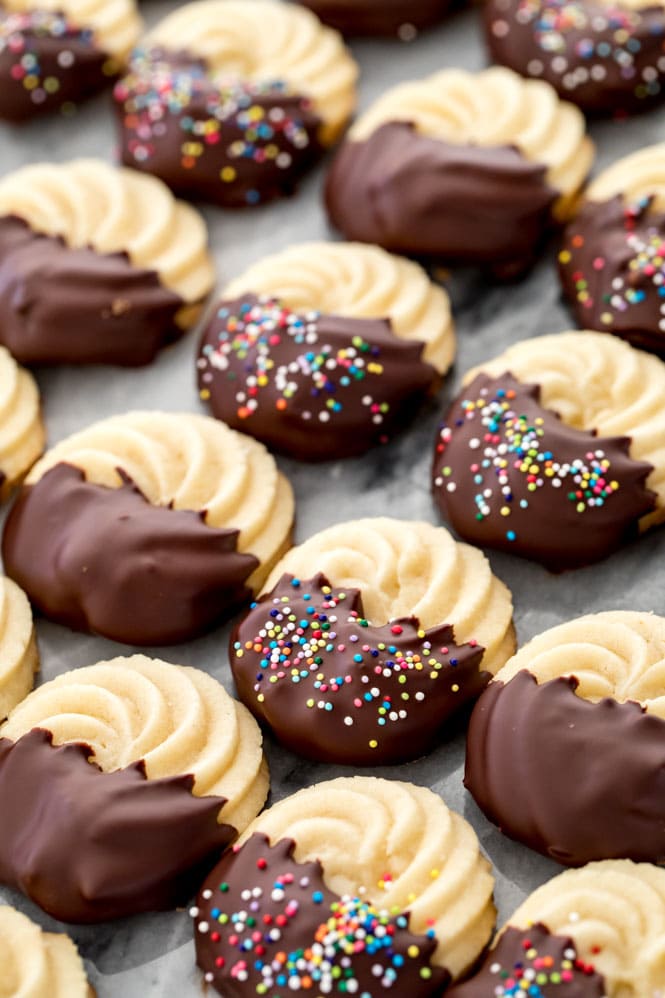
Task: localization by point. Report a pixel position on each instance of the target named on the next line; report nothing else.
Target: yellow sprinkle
(565, 256)
(228, 174)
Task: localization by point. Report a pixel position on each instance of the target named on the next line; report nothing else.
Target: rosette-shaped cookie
(607, 56)
(38, 964)
(148, 527)
(566, 746)
(232, 100)
(97, 264)
(403, 18)
(555, 450)
(369, 637)
(590, 933)
(470, 167)
(325, 349)
(129, 777)
(54, 53)
(22, 433)
(371, 882)
(612, 261)
(19, 658)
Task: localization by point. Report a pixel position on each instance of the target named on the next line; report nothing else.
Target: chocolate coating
(378, 17)
(604, 57)
(549, 956)
(313, 386)
(292, 910)
(385, 708)
(508, 474)
(88, 846)
(612, 271)
(413, 194)
(64, 60)
(76, 306)
(160, 575)
(257, 140)
(575, 780)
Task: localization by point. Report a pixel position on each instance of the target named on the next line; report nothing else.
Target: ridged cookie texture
(19, 657)
(38, 964)
(22, 432)
(116, 26)
(566, 745)
(385, 849)
(634, 177)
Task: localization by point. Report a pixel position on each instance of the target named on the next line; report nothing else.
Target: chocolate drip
(88, 846)
(313, 386)
(413, 194)
(605, 57)
(575, 780)
(378, 17)
(76, 306)
(509, 474)
(336, 688)
(233, 143)
(612, 271)
(284, 907)
(105, 560)
(549, 961)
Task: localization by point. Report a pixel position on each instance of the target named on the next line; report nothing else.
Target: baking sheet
(154, 954)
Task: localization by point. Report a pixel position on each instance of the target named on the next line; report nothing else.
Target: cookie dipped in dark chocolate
(612, 270)
(313, 386)
(229, 141)
(409, 193)
(107, 561)
(575, 780)
(47, 63)
(76, 306)
(266, 924)
(378, 17)
(88, 846)
(548, 962)
(509, 474)
(334, 687)
(605, 57)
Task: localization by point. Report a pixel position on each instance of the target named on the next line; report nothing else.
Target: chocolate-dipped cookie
(566, 746)
(55, 53)
(325, 349)
(232, 101)
(403, 18)
(97, 265)
(127, 778)
(552, 450)
(37, 963)
(605, 56)
(355, 882)
(612, 259)
(455, 167)
(193, 515)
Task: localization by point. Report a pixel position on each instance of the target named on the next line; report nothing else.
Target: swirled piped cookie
(54, 53)
(22, 432)
(368, 638)
(374, 883)
(612, 260)
(471, 167)
(325, 349)
(38, 964)
(555, 450)
(192, 514)
(232, 101)
(160, 769)
(19, 658)
(97, 264)
(403, 18)
(590, 933)
(566, 746)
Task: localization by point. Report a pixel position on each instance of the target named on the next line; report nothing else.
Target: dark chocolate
(261, 918)
(47, 64)
(232, 143)
(76, 306)
(612, 270)
(575, 780)
(379, 17)
(335, 688)
(413, 194)
(548, 961)
(313, 386)
(508, 474)
(87, 846)
(107, 561)
(605, 57)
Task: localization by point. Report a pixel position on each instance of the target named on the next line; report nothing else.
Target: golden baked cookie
(36, 963)
(22, 432)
